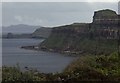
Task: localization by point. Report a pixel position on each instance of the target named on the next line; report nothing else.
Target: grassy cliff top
(73, 26)
(106, 12)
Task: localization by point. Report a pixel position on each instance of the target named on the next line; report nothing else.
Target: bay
(45, 62)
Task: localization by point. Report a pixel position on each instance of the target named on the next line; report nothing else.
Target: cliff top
(106, 12)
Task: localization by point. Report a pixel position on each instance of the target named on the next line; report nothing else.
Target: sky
(51, 14)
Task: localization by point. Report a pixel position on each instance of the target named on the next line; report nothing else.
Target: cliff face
(41, 32)
(83, 37)
(66, 38)
(105, 24)
(105, 17)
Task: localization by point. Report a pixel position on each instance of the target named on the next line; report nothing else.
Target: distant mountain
(20, 28)
(26, 31)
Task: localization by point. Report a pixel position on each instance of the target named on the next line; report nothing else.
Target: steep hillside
(99, 37)
(66, 38)
(41, 32)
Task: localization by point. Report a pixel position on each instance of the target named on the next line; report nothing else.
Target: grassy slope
(68, 39)
(83, 37)
(96, 68)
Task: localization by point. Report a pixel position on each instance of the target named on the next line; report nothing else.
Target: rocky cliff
(96, 37)
(105, 24)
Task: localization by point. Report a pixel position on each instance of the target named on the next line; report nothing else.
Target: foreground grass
(86, 68)
(97, 68)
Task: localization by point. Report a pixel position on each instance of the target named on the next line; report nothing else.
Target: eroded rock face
(105, 24)
(105, 17)
(79, 37)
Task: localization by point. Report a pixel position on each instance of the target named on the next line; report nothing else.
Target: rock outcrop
(105, 24)
(99, 36)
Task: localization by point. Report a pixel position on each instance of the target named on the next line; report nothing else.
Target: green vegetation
(98, 68)
(79, 45)
(106, 12)
(98, 37)
(42, 32)
(86, 68)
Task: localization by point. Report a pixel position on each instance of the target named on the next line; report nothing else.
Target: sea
(44, 62)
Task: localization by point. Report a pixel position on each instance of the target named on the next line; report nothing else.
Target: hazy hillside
(42, 32)
(20, 28)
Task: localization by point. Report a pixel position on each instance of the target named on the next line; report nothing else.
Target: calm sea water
(46, 62)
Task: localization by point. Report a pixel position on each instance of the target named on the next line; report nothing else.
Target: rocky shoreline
(66, 52)
(29, 47)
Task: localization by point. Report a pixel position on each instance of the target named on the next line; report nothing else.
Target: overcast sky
(51, 13)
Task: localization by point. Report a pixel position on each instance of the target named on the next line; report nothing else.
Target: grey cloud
(51, 13)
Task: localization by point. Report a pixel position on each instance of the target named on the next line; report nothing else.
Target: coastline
(67, 52)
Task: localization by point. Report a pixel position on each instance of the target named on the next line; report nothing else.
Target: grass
(96, 67)
(86, 68)
(86, 45)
